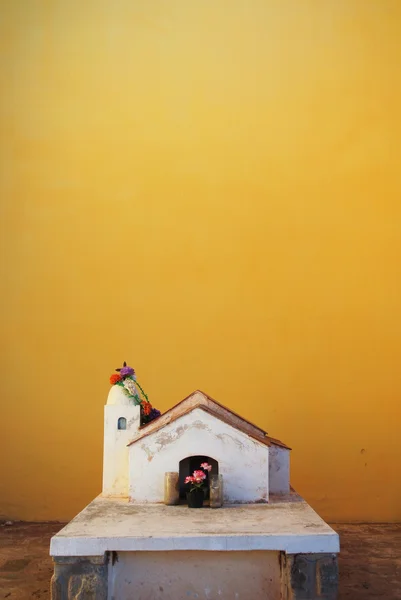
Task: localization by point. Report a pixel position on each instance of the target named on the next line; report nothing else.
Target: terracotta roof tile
(201, 400)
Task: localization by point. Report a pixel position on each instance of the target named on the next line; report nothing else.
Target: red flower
(115, 378)
(147, 408)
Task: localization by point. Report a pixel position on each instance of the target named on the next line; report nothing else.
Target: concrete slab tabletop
(286, 523)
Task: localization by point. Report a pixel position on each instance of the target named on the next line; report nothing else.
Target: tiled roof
(201, 400)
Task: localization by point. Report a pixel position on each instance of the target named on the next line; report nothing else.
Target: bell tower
(121, 423)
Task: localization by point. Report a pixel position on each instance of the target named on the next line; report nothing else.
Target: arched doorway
(188, 465)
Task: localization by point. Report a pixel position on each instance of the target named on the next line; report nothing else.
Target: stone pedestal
(114, 550)
(300, 576)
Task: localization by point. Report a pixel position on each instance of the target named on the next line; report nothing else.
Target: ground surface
(370, 561)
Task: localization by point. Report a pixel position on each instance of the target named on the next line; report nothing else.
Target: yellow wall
(212, 192)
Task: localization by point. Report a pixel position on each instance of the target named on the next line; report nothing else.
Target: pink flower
(189, 479)
(199, 475)
(206, 466)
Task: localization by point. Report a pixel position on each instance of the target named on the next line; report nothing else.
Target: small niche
(122, 423)
(188, 466)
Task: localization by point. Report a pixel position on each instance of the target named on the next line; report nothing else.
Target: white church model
(137, 457)
(130, 543)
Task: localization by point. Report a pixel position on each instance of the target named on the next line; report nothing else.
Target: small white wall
(279, 470)
(189, 575)
(115, 452)
(243, 461)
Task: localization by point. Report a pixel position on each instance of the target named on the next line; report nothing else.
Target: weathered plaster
(279, 470)
(196, 575)
(199, 398)
(243, 461)
(286, 524)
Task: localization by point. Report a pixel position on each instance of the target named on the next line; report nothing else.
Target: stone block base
(310, 576)
(302, 576)
(80, 578)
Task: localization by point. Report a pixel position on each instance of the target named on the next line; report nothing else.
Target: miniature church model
(130, 543)
(197, 429)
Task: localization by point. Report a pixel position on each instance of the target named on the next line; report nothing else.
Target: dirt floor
(370, 561)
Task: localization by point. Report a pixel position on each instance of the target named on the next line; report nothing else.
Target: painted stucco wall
(183, 575)
(279, 470)
(115, 448)
(211, 191)
(243, 462)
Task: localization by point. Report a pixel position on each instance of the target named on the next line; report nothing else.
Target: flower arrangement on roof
(126, 378)
(197, 479)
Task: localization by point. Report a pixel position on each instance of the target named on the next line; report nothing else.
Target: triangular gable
(201, 400)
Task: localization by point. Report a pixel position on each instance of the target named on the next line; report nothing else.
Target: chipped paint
(243, 461)
(225, 437)
(201, 425)
(147, 452)
(132, 421)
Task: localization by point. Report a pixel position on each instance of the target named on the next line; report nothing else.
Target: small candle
(171, 488)
(216, 491)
